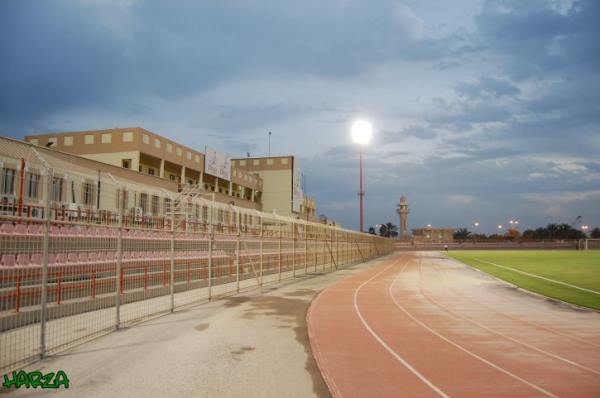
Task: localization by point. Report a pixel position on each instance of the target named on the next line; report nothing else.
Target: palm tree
(389, 230)
(462, 234)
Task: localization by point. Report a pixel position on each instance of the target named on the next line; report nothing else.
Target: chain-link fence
(82, 255)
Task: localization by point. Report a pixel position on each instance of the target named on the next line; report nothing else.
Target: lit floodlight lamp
(362, 131)
(499, 226)
(476, 223)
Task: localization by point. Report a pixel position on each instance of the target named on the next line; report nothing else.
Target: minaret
(403, 211)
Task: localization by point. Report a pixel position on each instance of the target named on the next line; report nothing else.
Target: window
(33, 182)
(122, 199)
(68, 140)
(169, 147)
(157, 143)
(88, 139)
(144, 202)
(256, 162)
(242, 162)
(57, 189)
(150, 171)
(155, 205)
(145, 138)
(189, 155)
(178, 151)
(53, 141)
(106, 138)
(197, 158)
(126, 163)
(167, 205)
(284, 161)
(270, 162)
(88, 196)
(8, 181)
(34, 141)
(127, 136)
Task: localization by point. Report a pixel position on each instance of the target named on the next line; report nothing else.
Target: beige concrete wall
(277, 191)
(115, 158)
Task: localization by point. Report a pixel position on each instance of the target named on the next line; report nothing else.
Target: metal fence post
(172, 262)
(279, 254)
(261, 251)
(305, 249)
(293, 249)
(237, 254)
(119, 270)
(210, 247)
(46, 245)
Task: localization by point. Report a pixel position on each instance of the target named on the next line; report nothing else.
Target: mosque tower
(403, 211)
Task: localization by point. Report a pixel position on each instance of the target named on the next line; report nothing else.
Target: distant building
(431, 234)
(282, 190)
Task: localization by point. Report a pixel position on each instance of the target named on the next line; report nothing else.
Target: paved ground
(422, 325)
(250, 345)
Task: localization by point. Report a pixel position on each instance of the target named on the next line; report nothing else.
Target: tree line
(550, 231)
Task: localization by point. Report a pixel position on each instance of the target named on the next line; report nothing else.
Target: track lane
(474, 370)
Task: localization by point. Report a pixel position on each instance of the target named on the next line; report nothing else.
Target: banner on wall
(297, 193)
(217, 164)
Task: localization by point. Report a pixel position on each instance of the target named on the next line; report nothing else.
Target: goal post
(591, 243)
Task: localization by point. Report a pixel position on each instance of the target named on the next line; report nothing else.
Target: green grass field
(577, 268)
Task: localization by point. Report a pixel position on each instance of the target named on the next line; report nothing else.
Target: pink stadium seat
(35, 229)
(72, 258)
(93, 257)
(8, 260)
(7, 228)
(82, 257)
(23, 260)
(55, 230)
(20, 229)
(37, 259)
(51, 259)
(61, 258)
(127, 255)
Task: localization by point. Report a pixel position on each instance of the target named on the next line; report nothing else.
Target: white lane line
(535, 325)
(540, 350)
(540, 389)
(384, 344)
(538, 276)
(329, 380)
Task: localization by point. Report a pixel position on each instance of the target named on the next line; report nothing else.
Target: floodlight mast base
(361, 192)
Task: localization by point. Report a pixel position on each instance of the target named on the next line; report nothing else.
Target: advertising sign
(297, 193)
(217, 164)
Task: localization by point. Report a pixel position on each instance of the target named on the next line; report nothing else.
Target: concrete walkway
(251, 345)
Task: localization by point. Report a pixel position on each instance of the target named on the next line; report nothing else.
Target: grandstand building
(147, 153)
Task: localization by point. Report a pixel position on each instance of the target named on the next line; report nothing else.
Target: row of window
(32, 188)
(258, 162)
(169, 147)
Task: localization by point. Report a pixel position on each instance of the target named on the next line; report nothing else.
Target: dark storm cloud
(485, 115)
(60, 54)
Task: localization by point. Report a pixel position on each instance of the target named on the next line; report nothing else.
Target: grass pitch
(571, 276)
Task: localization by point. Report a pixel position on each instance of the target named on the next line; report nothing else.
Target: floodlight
(362, 131)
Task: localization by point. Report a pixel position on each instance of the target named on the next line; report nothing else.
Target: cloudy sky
(483, 110)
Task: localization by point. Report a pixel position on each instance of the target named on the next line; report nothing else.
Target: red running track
(422, 325)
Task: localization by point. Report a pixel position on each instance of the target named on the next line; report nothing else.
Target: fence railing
(69, 276)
